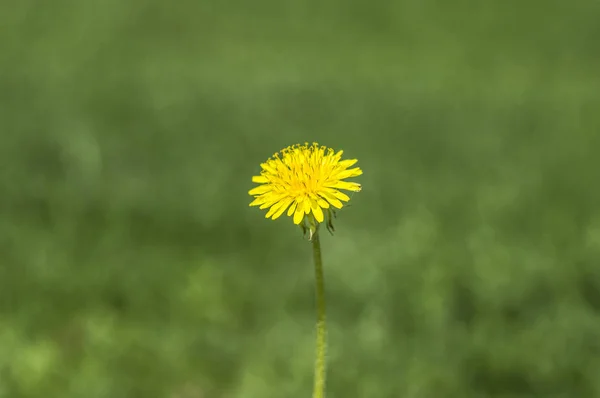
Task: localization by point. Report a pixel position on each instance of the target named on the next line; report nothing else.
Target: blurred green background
(132, 266)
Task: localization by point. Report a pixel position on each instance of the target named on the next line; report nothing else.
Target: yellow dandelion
(305, 180)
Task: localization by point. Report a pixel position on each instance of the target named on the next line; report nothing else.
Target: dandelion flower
(306, 181)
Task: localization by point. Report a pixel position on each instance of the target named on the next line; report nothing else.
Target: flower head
(305, 180)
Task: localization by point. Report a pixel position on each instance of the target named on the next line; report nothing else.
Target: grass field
(132, 266)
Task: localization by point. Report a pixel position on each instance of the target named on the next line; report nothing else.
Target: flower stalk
(321, 346)
(305, 182)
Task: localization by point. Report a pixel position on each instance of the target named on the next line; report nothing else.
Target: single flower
(306, 181)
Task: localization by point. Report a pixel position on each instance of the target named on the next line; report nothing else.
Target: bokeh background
(132, 266)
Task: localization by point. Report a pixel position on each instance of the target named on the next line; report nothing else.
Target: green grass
(132, 266)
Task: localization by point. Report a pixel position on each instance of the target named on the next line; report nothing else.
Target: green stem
(319, 389)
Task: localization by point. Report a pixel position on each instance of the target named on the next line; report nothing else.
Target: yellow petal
(339, 195)
(346, 174)
(323, 203)
(269, 168)
(347, 163)
(257, 201)
(348, 186)
(331, 199)
(260, 179)
(270, 199)
(298, 215)
(318, 213)
(284, 205)
(273, 209)
(292, 209)
(306, 205)
(266, 205)
(260, 190)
